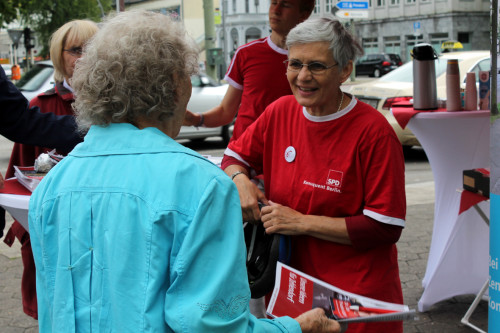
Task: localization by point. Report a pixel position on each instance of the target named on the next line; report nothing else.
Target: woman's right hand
(315, 321)
(250, 196)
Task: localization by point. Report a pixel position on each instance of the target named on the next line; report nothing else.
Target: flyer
(296, 292)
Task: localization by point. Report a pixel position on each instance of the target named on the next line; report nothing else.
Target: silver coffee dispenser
(424, 77)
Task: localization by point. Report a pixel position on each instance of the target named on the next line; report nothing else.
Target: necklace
(341, 100)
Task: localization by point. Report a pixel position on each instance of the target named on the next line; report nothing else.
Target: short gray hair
(131, 68)
(327, 29)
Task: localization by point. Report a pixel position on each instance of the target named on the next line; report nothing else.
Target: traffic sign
(352, 13)
(15, 35)
(416, 28)
(352, 5)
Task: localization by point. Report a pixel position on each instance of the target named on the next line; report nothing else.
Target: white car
(8, 70)
(206, 94)
(397, 86)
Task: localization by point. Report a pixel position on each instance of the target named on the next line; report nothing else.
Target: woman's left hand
(281, 219)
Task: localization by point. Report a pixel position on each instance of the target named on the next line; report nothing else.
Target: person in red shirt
(333, 172)
(65, 48)
(256, 75)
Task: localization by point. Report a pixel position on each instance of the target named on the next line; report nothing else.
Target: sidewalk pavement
(413, 246)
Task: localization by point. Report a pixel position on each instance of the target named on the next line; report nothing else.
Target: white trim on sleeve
(231, 153)
(384, 218)
(233, 83)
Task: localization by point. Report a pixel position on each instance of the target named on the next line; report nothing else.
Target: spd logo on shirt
(334, 178)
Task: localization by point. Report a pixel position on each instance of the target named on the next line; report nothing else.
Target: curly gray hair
(131, 68)
(328, 29)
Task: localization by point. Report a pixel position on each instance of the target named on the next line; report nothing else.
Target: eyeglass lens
(314, 67)
(74, 50)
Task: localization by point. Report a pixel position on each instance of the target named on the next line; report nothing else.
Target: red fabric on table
(28, 282)
(469, 199)
(404, 111)
(12, 186)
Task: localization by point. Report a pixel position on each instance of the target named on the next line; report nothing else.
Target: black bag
(263, 252)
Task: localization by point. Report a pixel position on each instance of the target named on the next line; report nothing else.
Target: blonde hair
(132, 69)
(74, 31)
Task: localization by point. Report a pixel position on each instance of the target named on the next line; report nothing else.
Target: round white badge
(290, 154)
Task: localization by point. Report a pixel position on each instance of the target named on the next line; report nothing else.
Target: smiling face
(319, 93)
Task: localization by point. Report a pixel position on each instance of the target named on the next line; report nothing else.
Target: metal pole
(353, 32)
(120, 6)
(224, 35)
(208, 8)
(494, 54)
(12, 54)
(100, 7)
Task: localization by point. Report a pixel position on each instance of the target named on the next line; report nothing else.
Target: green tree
(46, 16)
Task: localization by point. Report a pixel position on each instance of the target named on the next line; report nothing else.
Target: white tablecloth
(17, 206)
(458, 255)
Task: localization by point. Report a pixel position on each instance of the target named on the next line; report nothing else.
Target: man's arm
(220, 115)
(20, 124)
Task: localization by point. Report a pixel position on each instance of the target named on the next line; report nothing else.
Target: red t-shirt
(345, 164)
(257, 68)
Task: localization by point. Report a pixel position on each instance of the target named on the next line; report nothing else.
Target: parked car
(38, 79)
(377, 64)
(397, 86)
(8, 70)
(206, 94)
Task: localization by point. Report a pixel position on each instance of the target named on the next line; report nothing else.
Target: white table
(17, 206)
(458, 255)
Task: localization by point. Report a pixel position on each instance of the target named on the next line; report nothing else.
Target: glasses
(74, 51)
(314, 67)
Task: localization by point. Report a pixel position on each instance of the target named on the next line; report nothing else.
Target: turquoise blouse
(132, 232)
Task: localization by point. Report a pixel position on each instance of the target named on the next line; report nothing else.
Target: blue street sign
(352, 5)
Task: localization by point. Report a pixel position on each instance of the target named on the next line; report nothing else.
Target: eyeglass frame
(75, 51)
(323, 70)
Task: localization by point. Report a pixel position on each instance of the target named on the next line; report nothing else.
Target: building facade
(392, 26)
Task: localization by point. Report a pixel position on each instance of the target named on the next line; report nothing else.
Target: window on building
(370, 45)
(380, 3)
(437, 39)
(247, 6)
(392, 44)
(316, 8)
(234, 6)
(328, 6)
(252, 34)
(411, 41)
(464, 38)
(394, 2)
(410, 1)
